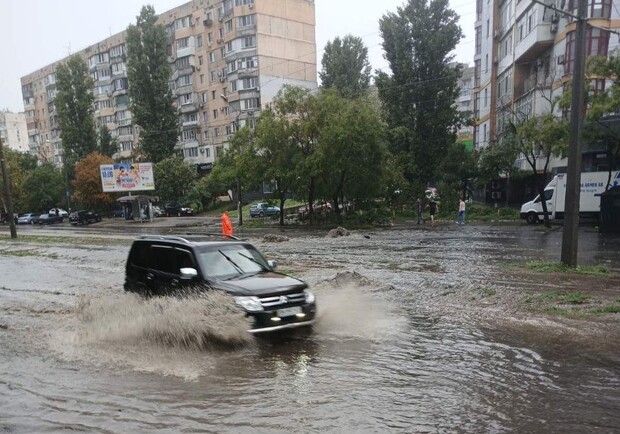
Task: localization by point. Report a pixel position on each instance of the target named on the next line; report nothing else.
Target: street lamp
(239, 202)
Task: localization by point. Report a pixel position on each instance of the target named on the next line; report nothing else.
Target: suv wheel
(532, 218)
(261, 214)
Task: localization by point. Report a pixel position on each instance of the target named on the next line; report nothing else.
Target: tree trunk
(311, 188)
(540, 183)
(282, 200)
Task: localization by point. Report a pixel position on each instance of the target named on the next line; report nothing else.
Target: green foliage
(18, 166)
(545, 266)
(74, 103)
(151, 98)
(460, 169)
(612, 308)
(173, 179)
(45, 187)
(108, 146)
(346, 67)
(418, 98)
(496, 160)
(576, 297)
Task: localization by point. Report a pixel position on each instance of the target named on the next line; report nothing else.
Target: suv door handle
(174, 282)
(149, 276)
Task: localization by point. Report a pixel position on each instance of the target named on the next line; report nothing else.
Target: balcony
(246, 31)
(535, 43)
(190, 50)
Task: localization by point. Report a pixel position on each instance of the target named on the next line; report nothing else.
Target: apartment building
(229, 58)
(524, 58)
(465, 105)
(13, 131)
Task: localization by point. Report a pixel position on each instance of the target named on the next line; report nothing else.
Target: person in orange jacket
(227, 227)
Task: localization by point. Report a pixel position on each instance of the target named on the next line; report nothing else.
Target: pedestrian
(432, 207)
(227, 227)
(460, 220)
(420, 210)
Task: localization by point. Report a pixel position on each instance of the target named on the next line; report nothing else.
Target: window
(205, 117)
(205, 97)
(478, 40)
(182, 23)
(127, 145)
(189, 134)
(199, 40)
(249, 83)
(248, 42)
(200, 60)
(486, 96)
(117, 51)
(249, 104)
(213, 95)
(185, 98)
(212, 57)
(597, 44)
(214, 113)
(243, 2)
(202, 79)
(228, 26)
(184, 80)
(216, 131)
(233, 86)
(245, 20)
(232, 66)
(191, 152)
(207, 151)
(120, 84)
(209, 37)
(600, 9)
(213, 75)
(488, 28)
(182, 43)
(206, 133)
(182, 62)
(229, 47)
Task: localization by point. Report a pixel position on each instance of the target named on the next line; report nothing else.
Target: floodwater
(78, 354)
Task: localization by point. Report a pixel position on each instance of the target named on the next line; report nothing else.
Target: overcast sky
(35, 33)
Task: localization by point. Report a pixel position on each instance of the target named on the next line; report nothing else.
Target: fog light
(275, 318)
(300, 315)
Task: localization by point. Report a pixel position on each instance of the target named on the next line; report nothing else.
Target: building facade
(13, 131)
(228, 58)
(524, 58)
(465, 105)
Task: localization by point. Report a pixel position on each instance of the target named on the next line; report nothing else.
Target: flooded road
(393, 350)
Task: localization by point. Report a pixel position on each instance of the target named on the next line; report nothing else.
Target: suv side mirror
(188, 273)
(273, 264)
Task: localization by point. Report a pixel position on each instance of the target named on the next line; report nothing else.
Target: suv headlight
(251, 304)
(309, 296)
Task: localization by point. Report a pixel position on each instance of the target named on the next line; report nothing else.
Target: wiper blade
(234, 264)
(249, 258)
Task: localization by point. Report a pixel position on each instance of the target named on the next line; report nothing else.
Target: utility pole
(570, 232)
(7, 192)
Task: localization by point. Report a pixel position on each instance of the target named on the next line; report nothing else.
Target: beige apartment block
(13, 131)
(228, 60)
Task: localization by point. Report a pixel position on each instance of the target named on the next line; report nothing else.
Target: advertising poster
(127, 177)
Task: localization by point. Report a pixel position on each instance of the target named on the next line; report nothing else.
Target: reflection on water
(376, 361)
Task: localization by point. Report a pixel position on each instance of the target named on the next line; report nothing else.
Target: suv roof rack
(193, 238)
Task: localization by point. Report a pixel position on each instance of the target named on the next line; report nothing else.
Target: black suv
(164, 265)
(84, 217)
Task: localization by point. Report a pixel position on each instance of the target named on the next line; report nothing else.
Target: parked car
(176, 209)
(263, 210)
(28, 218)
(157, 212)
(84, 217)
(164, 265)
(48, 219)
(61, 212)
(118, 212)
(4, 217)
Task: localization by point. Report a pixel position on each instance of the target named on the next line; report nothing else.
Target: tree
(278, 153)
(108, 146)
(151, 99)
(88, 190)
(418, 98)
(603, 117)
(45, 186)
(350, 154)
(346, 67)
(74, 103)
(173, 178)
(538, 138)
(305, 116)
(18, 166)
(460, 169)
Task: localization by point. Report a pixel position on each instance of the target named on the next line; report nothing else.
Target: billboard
(127, 177)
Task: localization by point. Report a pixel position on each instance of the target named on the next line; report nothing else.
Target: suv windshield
(228, 261)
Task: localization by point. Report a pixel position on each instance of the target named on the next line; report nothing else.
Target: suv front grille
(283, 300)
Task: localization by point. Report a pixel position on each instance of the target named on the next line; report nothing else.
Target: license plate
(289, 311)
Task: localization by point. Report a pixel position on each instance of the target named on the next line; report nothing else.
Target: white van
(592, 185)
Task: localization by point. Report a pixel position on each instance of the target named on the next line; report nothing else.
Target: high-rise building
(465, 104)
(523, 60)
(13, 131)
(229, 58)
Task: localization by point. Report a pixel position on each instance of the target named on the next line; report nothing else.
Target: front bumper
(263, 321)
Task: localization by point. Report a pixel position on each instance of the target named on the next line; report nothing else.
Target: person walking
(227, 227)
(420, 210)
(432, 207)
(460, 220)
